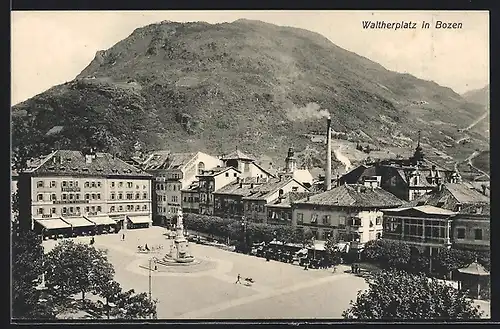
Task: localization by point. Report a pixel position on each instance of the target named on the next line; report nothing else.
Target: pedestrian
(92, 240)
(352, 268)
(146, 247)
(238, 279)
(123, 237)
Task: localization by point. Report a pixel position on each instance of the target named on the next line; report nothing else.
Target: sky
(50, 48)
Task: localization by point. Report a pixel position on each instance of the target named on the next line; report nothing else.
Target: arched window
(201, 167)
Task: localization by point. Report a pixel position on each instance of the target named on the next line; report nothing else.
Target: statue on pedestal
(179, 248)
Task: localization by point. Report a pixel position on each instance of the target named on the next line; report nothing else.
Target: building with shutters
(83, 191)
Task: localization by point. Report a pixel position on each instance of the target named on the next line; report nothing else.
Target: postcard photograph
(250, 165)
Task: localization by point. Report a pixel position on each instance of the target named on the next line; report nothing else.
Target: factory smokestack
(328, 169)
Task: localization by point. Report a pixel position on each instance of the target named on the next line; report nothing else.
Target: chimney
(308, 198)
(483, 186)
(338, 180)
(257, 179)
(241, 184)
(237, 179)
(328, 169)
(251, 185)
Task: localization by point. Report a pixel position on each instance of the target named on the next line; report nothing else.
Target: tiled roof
(450, 196)
(216, 171)
(166, 160)
(192, 187)
(238, 155)
(479, 209)
(354, 195)
(258, 191)
(66, 162)
(288, 199)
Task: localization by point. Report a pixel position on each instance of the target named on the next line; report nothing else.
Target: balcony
(70, 189)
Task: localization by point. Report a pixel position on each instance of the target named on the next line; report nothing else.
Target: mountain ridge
(210, 87)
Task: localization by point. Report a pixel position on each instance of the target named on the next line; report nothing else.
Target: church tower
(290, 161)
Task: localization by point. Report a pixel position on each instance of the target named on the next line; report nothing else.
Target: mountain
(258, 86)
(478, 96)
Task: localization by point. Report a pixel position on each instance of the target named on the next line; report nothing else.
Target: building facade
(210, 181)
(76, 186)
(471, 228)
(407, 179)
(174, 172)
(349, 213)
(424, 226)
(279, 211)
(245, 164)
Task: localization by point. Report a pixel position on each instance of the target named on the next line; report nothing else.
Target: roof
(166, 160)
(429, 210)
(288, 198)
(66, 162)
(54, 130)
(354, 195)
(238, 155)
(474, 269)
(263, 169)
(193, 187)
(477, 209)
(216, 171)
(257, 191)
(450, 196)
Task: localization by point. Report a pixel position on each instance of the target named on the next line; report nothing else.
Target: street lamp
(244, 225)
(153, 259)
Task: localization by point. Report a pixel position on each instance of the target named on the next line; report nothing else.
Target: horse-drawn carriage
(146, 249)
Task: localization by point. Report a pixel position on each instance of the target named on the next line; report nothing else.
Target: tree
(332, 251)
(398, 295)
(448, 260)
(387, 253)
(27, 254)
(134, 306)
(307, 237)
(77, 268)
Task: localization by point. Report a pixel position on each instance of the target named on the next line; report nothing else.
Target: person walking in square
(123, 237)
(238, 279)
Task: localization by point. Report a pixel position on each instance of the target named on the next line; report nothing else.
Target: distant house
(349, 212)
(248, 197)
(245, 164)
(210, 181)
(471, 228)
(174, 172)
(279, 210)
(405, 178)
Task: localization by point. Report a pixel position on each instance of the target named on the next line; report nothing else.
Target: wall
(470, 223)
(100, 196)
(190, 201)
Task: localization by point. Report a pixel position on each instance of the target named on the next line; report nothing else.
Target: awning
(52, 223)
(101, 220)
(139, 219)
(78, 221)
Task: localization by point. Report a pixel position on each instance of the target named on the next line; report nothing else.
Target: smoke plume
(310, 111)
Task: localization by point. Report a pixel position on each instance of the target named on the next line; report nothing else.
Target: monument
(179, 251)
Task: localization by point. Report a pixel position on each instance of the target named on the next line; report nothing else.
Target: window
(53, 197)
(77, 196)
(137, 187)
(129, 196)
(121, 208)
(460, 233)
(314, 218)
(112, 209)
(53, 184)
(137, 207)
(70, 183)
(143, 187)
(77, 210)
(295, 189)
(201, 167)
(71, 196)
(112, 196)
(300, 218)
(93, 208)
(478, 234)
(87, 209)
(93, 196)
(227, 174)
(378, 220)
(87, 184)
(98, 196)
(64, 210)
(87, 196)
(145, 207)
(64, 196)
(326, 219)
(53, 210)
(165, 198)
(112, 184)
(39, 197)
(144, 195)
(379, 235)
(99, 208)
(130, 184)
(76, 183)
(40, 211)
(98, 184)
(92, 185)
(137, 196)
(120, 196)
(64, 183)
(71, 210)
(120, 184)
(235, 174)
